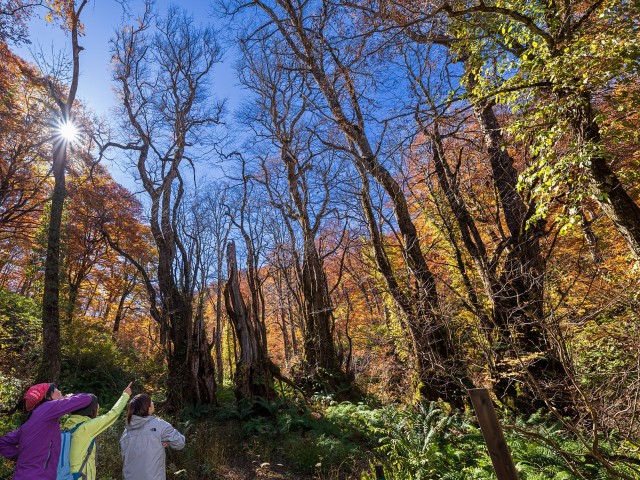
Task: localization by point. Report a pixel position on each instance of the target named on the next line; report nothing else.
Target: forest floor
(240, 469)
(249, 466)
(224, 450)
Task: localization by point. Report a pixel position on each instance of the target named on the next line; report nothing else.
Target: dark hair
(139, 406)
(90, 410)
(50, 390)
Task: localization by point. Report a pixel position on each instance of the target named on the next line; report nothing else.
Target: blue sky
(101, 18)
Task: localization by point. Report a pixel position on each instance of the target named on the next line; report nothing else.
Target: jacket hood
(73, 420)
(137, 422)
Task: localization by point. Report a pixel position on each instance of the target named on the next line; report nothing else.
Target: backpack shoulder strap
(86, 457)
(65, 444)
(71, 430)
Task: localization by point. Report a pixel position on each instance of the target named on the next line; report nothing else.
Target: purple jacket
(35, 446)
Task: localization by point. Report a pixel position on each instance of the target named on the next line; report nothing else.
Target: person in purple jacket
(35, 446)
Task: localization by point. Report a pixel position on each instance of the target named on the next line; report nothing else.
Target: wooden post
(493, 436)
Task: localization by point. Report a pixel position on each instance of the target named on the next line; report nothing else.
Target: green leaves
(20, 333)
(549, 64)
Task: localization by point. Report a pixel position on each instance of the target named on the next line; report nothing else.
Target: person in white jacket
(144, 439)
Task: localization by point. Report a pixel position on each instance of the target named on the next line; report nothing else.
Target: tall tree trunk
(319, 349)
(254, 370)
(320, 356)
(120, 311)
(180, 381)
(51, 361)
(51, 355)
(191, 371)
(218, 332)
(201, 362)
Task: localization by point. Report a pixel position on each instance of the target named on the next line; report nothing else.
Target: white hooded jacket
(142, 450)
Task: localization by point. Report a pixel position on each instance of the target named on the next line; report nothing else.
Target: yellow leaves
(63, 12)
(515, 366)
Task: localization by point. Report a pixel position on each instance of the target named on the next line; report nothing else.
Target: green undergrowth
(429, 442)
(231, 441)
(291, 438)
(347, 440)
(300, 441)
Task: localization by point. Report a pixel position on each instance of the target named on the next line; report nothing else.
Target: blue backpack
(64, 467)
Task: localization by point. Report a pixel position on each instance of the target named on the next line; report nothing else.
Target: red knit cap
(35, 395)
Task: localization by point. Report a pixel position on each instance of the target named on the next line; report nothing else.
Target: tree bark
(191, 376)
(119, 312)
(254, 370)
(51, 354)
(129, 283)
(201, 362)
(218, 331)
(320, 359)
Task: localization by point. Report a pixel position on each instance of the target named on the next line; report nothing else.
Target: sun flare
(68, 131)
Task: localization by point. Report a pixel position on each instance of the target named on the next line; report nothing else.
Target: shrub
(93, 363)
(20, 334)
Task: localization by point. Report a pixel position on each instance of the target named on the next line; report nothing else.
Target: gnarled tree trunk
(254, 370)
(175, 104)
(517, 295)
